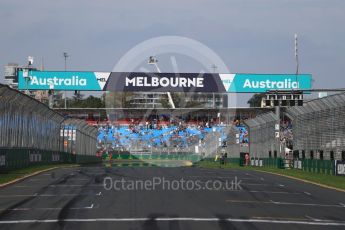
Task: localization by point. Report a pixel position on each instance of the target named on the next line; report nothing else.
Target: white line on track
(30, 209)
(62, 185)
(257, 184)
(263, 184)
(316, 219)
(221, 177)
(286, 203)
(49, 179)
(308, 204)
(184, 219)
(267, 191)
(307, 193)
(219, 173)
(273, 192)
(50, 195)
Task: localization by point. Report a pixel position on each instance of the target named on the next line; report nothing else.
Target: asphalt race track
(75, 198)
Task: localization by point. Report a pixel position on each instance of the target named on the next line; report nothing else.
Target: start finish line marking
(50, 195)
(183, 219)
(33, 209)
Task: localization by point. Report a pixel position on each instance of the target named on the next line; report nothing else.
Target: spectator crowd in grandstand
(243, 131)
(148, 135)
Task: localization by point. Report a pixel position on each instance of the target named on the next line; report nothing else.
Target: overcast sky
(249, 36)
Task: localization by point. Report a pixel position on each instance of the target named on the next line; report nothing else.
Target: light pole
(214, 67)
(296, 59)
(26, 73)
(65, 54)
(296, 54)
(153, 61)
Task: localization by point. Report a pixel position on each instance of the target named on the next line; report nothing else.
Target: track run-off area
(103, 197)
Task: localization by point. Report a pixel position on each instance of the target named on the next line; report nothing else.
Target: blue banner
(260, 83)
(161, 82)
(60, 80)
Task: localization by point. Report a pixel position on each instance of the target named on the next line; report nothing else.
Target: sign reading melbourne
(162, 82)
(165, 82)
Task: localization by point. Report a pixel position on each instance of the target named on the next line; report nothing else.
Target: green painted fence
(16, 158)
(273, 162)
(309, 165)
(318, 166)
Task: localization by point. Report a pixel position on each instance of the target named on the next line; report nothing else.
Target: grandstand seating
(128, 137)
(243, 134)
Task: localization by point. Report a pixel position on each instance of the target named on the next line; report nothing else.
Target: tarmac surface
(98, 197)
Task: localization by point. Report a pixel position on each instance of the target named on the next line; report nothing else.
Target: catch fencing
(319, 128)
(309, 137)
(262, 139)
(31, 133)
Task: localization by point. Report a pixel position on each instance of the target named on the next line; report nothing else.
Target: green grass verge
(324, 179)
(216, 165)
(11, 175)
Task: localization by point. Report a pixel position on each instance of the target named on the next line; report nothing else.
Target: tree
(118, 99)
(255, 100)
(93, 102)
(90, 102)
(78, 96)
(164, 102)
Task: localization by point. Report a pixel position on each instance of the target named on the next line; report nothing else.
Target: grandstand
(151, 138)
(254, 125)
(236, 132)
(138, 131)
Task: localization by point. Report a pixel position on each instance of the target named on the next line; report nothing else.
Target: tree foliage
(89, 102)
(255, 100)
